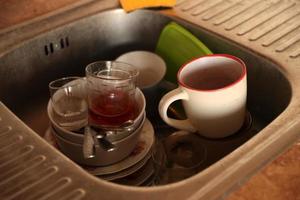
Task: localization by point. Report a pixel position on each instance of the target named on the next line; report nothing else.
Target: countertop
(278, 180)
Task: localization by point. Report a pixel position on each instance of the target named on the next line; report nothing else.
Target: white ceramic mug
(213, 90)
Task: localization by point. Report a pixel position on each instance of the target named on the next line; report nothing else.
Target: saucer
(139, 154)
(129, 165)
(152, 68)
(126, 172)
(139, 177)
(142, 148)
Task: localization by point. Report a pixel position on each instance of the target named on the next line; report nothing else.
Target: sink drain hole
(67, 41)
(46, 50)
(51, 47)
(64, 42)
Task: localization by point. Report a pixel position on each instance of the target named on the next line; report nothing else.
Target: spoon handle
(101, 141)
(88, 144)
(106, 145)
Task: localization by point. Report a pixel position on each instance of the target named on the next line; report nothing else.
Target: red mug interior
(211, 72)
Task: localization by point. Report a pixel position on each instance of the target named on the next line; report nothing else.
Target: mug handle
(166, 101)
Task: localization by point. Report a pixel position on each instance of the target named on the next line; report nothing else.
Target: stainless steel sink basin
(68, 49)
(27, 68)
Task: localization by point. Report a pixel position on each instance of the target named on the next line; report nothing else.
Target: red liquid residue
(112, 108)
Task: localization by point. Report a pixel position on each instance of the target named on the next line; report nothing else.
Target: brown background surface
(279, 180)
(13, 12)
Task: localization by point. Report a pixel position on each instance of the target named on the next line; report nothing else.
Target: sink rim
(271, 131)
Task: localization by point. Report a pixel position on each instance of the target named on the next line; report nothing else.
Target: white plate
(139, 177)
(126, 172)
(151, 66)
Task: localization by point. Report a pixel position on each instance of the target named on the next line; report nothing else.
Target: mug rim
(242, 76)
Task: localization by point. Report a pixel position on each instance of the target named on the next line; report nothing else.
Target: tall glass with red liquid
(111, 93)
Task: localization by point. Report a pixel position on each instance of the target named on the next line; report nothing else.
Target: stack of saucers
(127, 163)
(135, 169)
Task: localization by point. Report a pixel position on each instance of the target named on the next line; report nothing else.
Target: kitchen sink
(27, 68)
(65, 51)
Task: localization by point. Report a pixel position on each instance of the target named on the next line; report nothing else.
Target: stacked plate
(136, 169)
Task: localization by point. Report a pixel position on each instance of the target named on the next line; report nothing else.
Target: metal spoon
(120, 132)
(88, 143)
(100, 140)
(126, 126)
(94, 137)
(91, 139)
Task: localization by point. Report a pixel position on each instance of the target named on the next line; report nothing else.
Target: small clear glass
(177, 157)
(111, 87)
(68, 98)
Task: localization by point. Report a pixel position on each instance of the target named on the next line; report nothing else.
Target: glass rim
(133, 72)
(71, 78)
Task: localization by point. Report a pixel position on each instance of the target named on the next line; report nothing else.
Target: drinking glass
(68, 99)
(159, 163)
(177, 157)
(111, 93)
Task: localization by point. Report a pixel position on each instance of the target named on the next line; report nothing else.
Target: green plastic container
(176, 46)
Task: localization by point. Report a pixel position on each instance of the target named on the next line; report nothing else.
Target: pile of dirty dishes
(99, 121)
(128, 163)
(136, 169)
(71, 142)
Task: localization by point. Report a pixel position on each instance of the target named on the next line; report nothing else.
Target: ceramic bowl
(78, 137)
(152, 67)
(123, 148)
